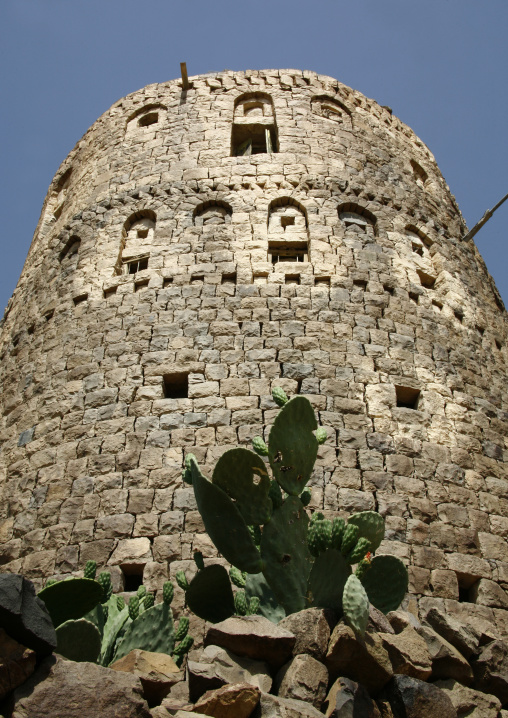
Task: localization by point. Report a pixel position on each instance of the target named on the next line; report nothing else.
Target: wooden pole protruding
(185, 78)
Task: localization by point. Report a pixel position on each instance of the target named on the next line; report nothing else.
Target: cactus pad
(321, 434)
(168, 592)
(151, 631)
(259, 446)
(225, 524)
(338, 526)
(293, 446)
(117, 620)
(90, 569)
(355, 605)
(327, 580)
(243, 476)
(134, 607)
(241, 605)
(181, 580)
(279, 396)
(209, 595)
(306, 496)
(256, 586)
(359, 551)
(349, 538)
(286, 557)
(237, 577)
(386, 582)
(70, 599)
(78, 640)
(371, 525)
(183, 627)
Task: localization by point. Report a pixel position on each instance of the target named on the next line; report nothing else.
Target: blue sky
(440, 64)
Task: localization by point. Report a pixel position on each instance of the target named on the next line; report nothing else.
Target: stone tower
(200, 246)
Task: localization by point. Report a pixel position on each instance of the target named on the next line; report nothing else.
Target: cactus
(363, 567)
(78, 640)
(355, 605)
(141, 592)
(237, 577)
(255, 534)
(224, 523)
(151, 631)
(168, 592)
(70, 599)
(256, 587)
(133, 607)
(183, 628)
(338, 526)
(319, 536)
(182, 648)
(199, 560)
(275, 495)
(254, 605)
(120, 603)
(90, 569)
(371, 525)
(209, 594)
(292, 445)
(386, 582)
(259, 446)
(286, 558)
(241, 605)
(321, 435)
(359, 551)
(117, 621)
(327, 580)
(50, 582)
(243, 476)
(279, 396)
(349, 538)
(306, 496)
(148, 600)
(187, 473)
(107, 587)
(181, 580)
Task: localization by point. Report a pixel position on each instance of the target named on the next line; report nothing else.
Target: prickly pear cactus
(118, 618)
(243, 476)
(386, 582)
(328, 577)
(183, 627)
(107, 587)
(355, 605)
(371, 526)
(256, 586)
(349, 539)
(241, 605)
(168, 592)
(359, 551)
(237, 577)
(134, 607)
(71, 599)
(78, 640)
(181, 580)
(279, 396)
(90, 569)
(321, 435)
(259, 446)
(209, 594)
(152, 630)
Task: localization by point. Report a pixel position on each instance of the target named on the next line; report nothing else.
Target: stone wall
(153, 272)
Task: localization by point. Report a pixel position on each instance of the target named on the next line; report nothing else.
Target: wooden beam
(185, 78)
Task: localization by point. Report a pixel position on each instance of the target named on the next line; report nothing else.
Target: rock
(275, 707)
(464, 638)
(447, 662)
(468, 702)
(347, 699)
(253, 636)
(412, 698)
(156, 671)
(378, 621)
(17, 663)
(361, 659)
(95, 691)
(303, 678)
(408, 653)
(400, 619)
(489, 593)
(312, 629)
(230, 701)
(491, 670)
(217, 667)
(24, 616)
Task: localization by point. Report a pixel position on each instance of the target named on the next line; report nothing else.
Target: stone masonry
(199, 247)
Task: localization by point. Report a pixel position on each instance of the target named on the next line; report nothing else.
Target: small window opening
(132, 576)
(260, 278)
(437, 305)
(360, 284)
(426, 279)
(49, 315)
(31, 329)
(287, 252)
(417, 248)
(137, 265)
(109, 292)
(141, 285)
(480, 330)
(253, 140)
(407, 397)
(197, 279)
(176, 386)
(167, 282)
(467, 588)
(292, 279)
(287, 221)
(142, 233)
(419, 174)
(498, 344)
(322, 281)
(389, 289)
(458, 315)
(149, 119)
(414, 297)
(229, 278)
(79, 299)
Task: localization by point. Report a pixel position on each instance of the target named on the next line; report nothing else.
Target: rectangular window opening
(287, 222)
(176, 386)
(79, 299)
(228, 278)
(322, 282)
(109, 292)
(168, 281)
(426, 280)
(414, 297)
(132, 575)
(253, 140)
(407, 397)
(458, 315)
(467, 587)
(142, 233)
(437, 305)
(288, 252)
(360, 284)
(197, 279)
(141, 285)
(137, 265)
(389, 289)
(292, 279)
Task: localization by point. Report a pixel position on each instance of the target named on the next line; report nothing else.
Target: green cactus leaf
(237, 577)
(97, 616)
(90, 569)
(349, 538)
(118, 619)
(338, 526)
(183, 627)
(355, 605)
(371, 526)
(241, 605)
(209, 595)
(292, 445)
(168, 592)
(321, 434)
(256, 586)
(327, 580)
(225, 524)
(259, 446)
(71, 599)
(152, 630)
(254, 604)
(386, 582)
(306, 496)
(78, 640)
(279, 396)
(286, 558)
(359, 551)
(243, 476)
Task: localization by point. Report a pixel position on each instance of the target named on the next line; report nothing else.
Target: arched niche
(288, 239)
(419, 174)
(59, 193)
(254, 128)
(70, 250)
(357, 219)
(331, 109)
(145, 118)
(137, 239)
(211, 213)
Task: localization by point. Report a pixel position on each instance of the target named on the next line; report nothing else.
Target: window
(419, 174)
(322, 281)
(132, 576)
(331, 109)
(287, 252)
(407, 397)
(212, 213)
(145, 117)
(135, 265)
(292, 279)
(137, 239)
(229, 278)
(357, 219)
(151, 118)
(60, 193)
(79, 299)
(287, 217)
(70, 249)
(138, 286)
(254, 129)
(176, 386)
